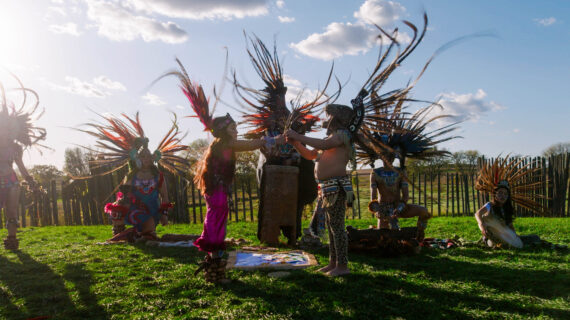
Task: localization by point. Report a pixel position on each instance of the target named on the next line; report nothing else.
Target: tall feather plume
(266, 109)
(19, 121)
(387, 124)
(116, 138)
(195, 95)
(521, 179)
(169, 148)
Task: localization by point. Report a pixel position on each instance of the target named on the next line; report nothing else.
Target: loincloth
(329, 190)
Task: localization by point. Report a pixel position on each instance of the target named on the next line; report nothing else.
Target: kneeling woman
(508, 184)
(143, 198)
(495, 219)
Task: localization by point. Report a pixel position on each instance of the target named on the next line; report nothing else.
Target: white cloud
(57, 1)
(516, 130)
(285, 19)
(104, 82)
(202, 9)
(120, 24)
(179, 107)
(545, 21)
(464, 107)
(67, 28)
(79, 87)
(153, 99)
(338, 39)
(382, 13)
(297, 91)
(346, 38)
(280, 4)
(94, 89)
(53, 12)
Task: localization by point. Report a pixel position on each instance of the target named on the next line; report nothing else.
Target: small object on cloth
(436, 243)
(179, 244)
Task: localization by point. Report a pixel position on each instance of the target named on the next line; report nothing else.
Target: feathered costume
(218, 168)
(381, 125)
(266, 113)
(520, 181)
(121, 144)
(19, 133)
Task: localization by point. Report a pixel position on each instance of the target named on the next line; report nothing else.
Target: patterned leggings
(338, 240)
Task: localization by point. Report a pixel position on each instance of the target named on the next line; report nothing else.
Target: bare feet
(327, 268)
(338, 271)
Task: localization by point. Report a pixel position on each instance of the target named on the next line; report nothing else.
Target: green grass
(61, 273)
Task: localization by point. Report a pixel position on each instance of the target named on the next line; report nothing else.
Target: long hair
(213, 167)
(506, 211)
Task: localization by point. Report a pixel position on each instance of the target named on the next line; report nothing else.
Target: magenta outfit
(214, 233)
(212, 238)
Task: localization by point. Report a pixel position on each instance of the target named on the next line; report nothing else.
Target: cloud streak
(118, 23)
(353, 38)
(285, 19)
(153, 99)
(67, 28)
(545, 22)
(94, 89)
(202, 9)
(466, 107)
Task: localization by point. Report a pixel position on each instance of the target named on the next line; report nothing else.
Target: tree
(196, 150)
(557, 148)
(76, 162)
(246, 163)
(465, 161)
(44, 174)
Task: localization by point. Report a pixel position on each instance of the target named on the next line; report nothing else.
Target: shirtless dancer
(335, 189)
(392, 191)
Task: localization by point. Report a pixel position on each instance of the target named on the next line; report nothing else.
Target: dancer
(266, 113)
(142, 200)
(404, 136)
(332, 155)
(17, 133)
(509, 182)
(215, 173)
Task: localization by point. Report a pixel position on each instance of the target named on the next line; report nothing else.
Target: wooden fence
(447, 193)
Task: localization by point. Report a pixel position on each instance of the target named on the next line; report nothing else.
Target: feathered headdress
(121, 141)
(18, 122)
(380, 121)
(200, 103)
(266, 109)
(519, 179)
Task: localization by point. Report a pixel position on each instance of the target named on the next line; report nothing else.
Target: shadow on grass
(83, 280)
(43, 292)
(365, 296)
(500, 276)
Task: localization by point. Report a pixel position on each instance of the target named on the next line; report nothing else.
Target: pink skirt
(214, 233)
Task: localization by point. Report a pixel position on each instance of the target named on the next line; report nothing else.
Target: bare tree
(558, 148)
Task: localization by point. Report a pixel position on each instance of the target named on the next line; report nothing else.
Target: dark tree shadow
(385, 297)
(42, 290)
(83, 281)
(438, 267)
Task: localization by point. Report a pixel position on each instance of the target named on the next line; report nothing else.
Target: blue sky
(512, 89)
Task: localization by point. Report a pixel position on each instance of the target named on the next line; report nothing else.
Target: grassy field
(61, 273)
